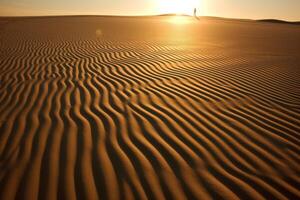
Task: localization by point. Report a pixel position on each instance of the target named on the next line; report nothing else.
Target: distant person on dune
(195, 13)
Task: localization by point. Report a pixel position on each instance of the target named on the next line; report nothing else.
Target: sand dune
(144, 108)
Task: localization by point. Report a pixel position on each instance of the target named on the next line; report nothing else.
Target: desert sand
(149, 108)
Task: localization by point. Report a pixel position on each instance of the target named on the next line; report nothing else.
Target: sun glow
(181, 20)
(178, 6)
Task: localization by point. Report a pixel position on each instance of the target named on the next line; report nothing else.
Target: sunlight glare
(178, 6)
(180, 20)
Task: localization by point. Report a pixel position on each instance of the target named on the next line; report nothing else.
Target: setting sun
(178, 6)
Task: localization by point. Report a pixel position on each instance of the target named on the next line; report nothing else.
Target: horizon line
(154, 15)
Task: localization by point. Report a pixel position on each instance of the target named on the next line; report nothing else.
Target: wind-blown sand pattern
(142, 108)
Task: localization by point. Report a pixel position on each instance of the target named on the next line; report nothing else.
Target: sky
(250, 9)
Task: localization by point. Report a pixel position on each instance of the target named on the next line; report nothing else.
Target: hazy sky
(283, 9)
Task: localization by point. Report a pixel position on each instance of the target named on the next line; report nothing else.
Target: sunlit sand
(165, 107)
(181, 20)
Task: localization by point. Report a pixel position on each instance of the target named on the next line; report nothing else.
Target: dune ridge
(84, 116)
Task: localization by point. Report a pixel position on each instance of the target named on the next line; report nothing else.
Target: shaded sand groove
(142, 114)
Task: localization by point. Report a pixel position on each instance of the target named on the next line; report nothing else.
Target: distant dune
(232, 19)
(160, 15)
(278, 21)
(96, 107)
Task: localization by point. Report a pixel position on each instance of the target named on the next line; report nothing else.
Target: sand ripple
(101, 118)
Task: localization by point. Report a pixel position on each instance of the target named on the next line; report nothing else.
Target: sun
(178, 6)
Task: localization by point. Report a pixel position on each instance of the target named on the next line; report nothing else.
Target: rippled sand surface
(149, 108)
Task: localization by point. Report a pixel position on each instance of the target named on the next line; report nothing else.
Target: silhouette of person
(195, 13)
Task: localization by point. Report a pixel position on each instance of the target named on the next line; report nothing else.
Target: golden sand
(149, 108)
